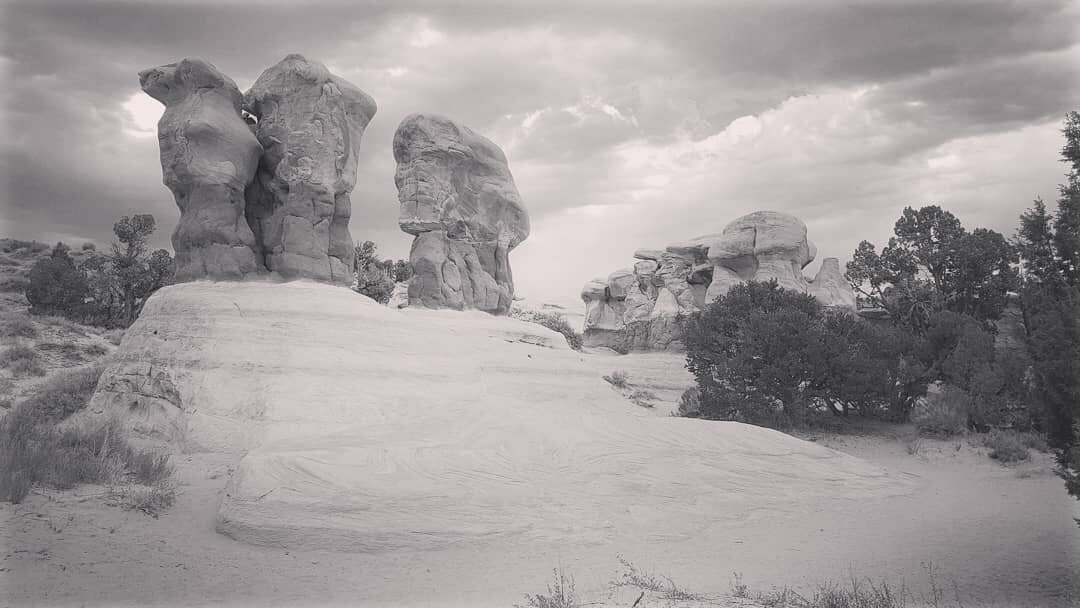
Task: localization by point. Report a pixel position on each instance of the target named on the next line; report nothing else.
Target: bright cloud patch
(143, 113)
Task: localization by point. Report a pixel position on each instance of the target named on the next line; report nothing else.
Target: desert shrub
(88, 246)
(943, 412)
(375, 277)
(375, 283)
(62, 395)
(643, 580)
(690, 403)
(960, 351)
(560, 594)
(643, 398)
(36, 451)
(25, 247)
(17, 326)
(56, 285)
(1033, 441)
(770, 356)
(22, 360)
(617, 378)
(556, 322)
(1006, 446)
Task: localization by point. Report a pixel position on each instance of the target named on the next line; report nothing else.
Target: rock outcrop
(479, 431)
(309, 123)
(269, 196)
(459, 200)
(208, 158)
(761, 246)
(640, 309)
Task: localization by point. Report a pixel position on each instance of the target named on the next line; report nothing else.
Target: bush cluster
(35, 448)
(769, 356)
(108, 289)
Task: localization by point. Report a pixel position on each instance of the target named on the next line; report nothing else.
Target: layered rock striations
(208, 158)
(458, 199)
(478, 431)
(641, 308)
(267, 191)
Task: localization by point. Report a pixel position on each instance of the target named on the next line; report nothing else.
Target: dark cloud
(624, 106)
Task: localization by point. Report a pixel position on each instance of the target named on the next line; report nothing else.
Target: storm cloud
(626, 124)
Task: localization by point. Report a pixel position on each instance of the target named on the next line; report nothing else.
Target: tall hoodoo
(310, 123)
(459, 200)
(639, 309)
(273, 196)
(208, 158)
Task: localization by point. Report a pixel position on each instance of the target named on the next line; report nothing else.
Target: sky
(626, 124)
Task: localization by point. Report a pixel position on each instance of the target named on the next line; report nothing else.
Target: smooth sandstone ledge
(364, 428)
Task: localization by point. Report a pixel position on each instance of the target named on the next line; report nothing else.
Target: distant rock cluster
(262, 179)
(639, 308)
(459, 200)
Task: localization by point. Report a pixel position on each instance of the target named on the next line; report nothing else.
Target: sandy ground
(782, 512)
(1002, 535)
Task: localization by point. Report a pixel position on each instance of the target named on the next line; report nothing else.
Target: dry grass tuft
(560, 594)
(618, 379)
(17, 326)
(36, 449)
(22, 360)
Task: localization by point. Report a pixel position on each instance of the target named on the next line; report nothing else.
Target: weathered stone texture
(208, 157)
(641, 309)
(310, 123)
(458, 198)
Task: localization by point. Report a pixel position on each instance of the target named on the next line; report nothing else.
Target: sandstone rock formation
(640, 309)
(269, 197)
(208, 158)
(458, 198)
(478, 431)
(310, 123)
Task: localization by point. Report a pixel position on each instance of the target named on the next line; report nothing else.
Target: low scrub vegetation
(663, 586)
(658, 589)
(560, 594)
(643, 398)
(942, 413)
(376, 277)
(1006, 446)
(61, 395)
(17, 326)
(690, 403)
(105, 289)
(22, 360)
(553, 321)
(618, 379)
(37, 449)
